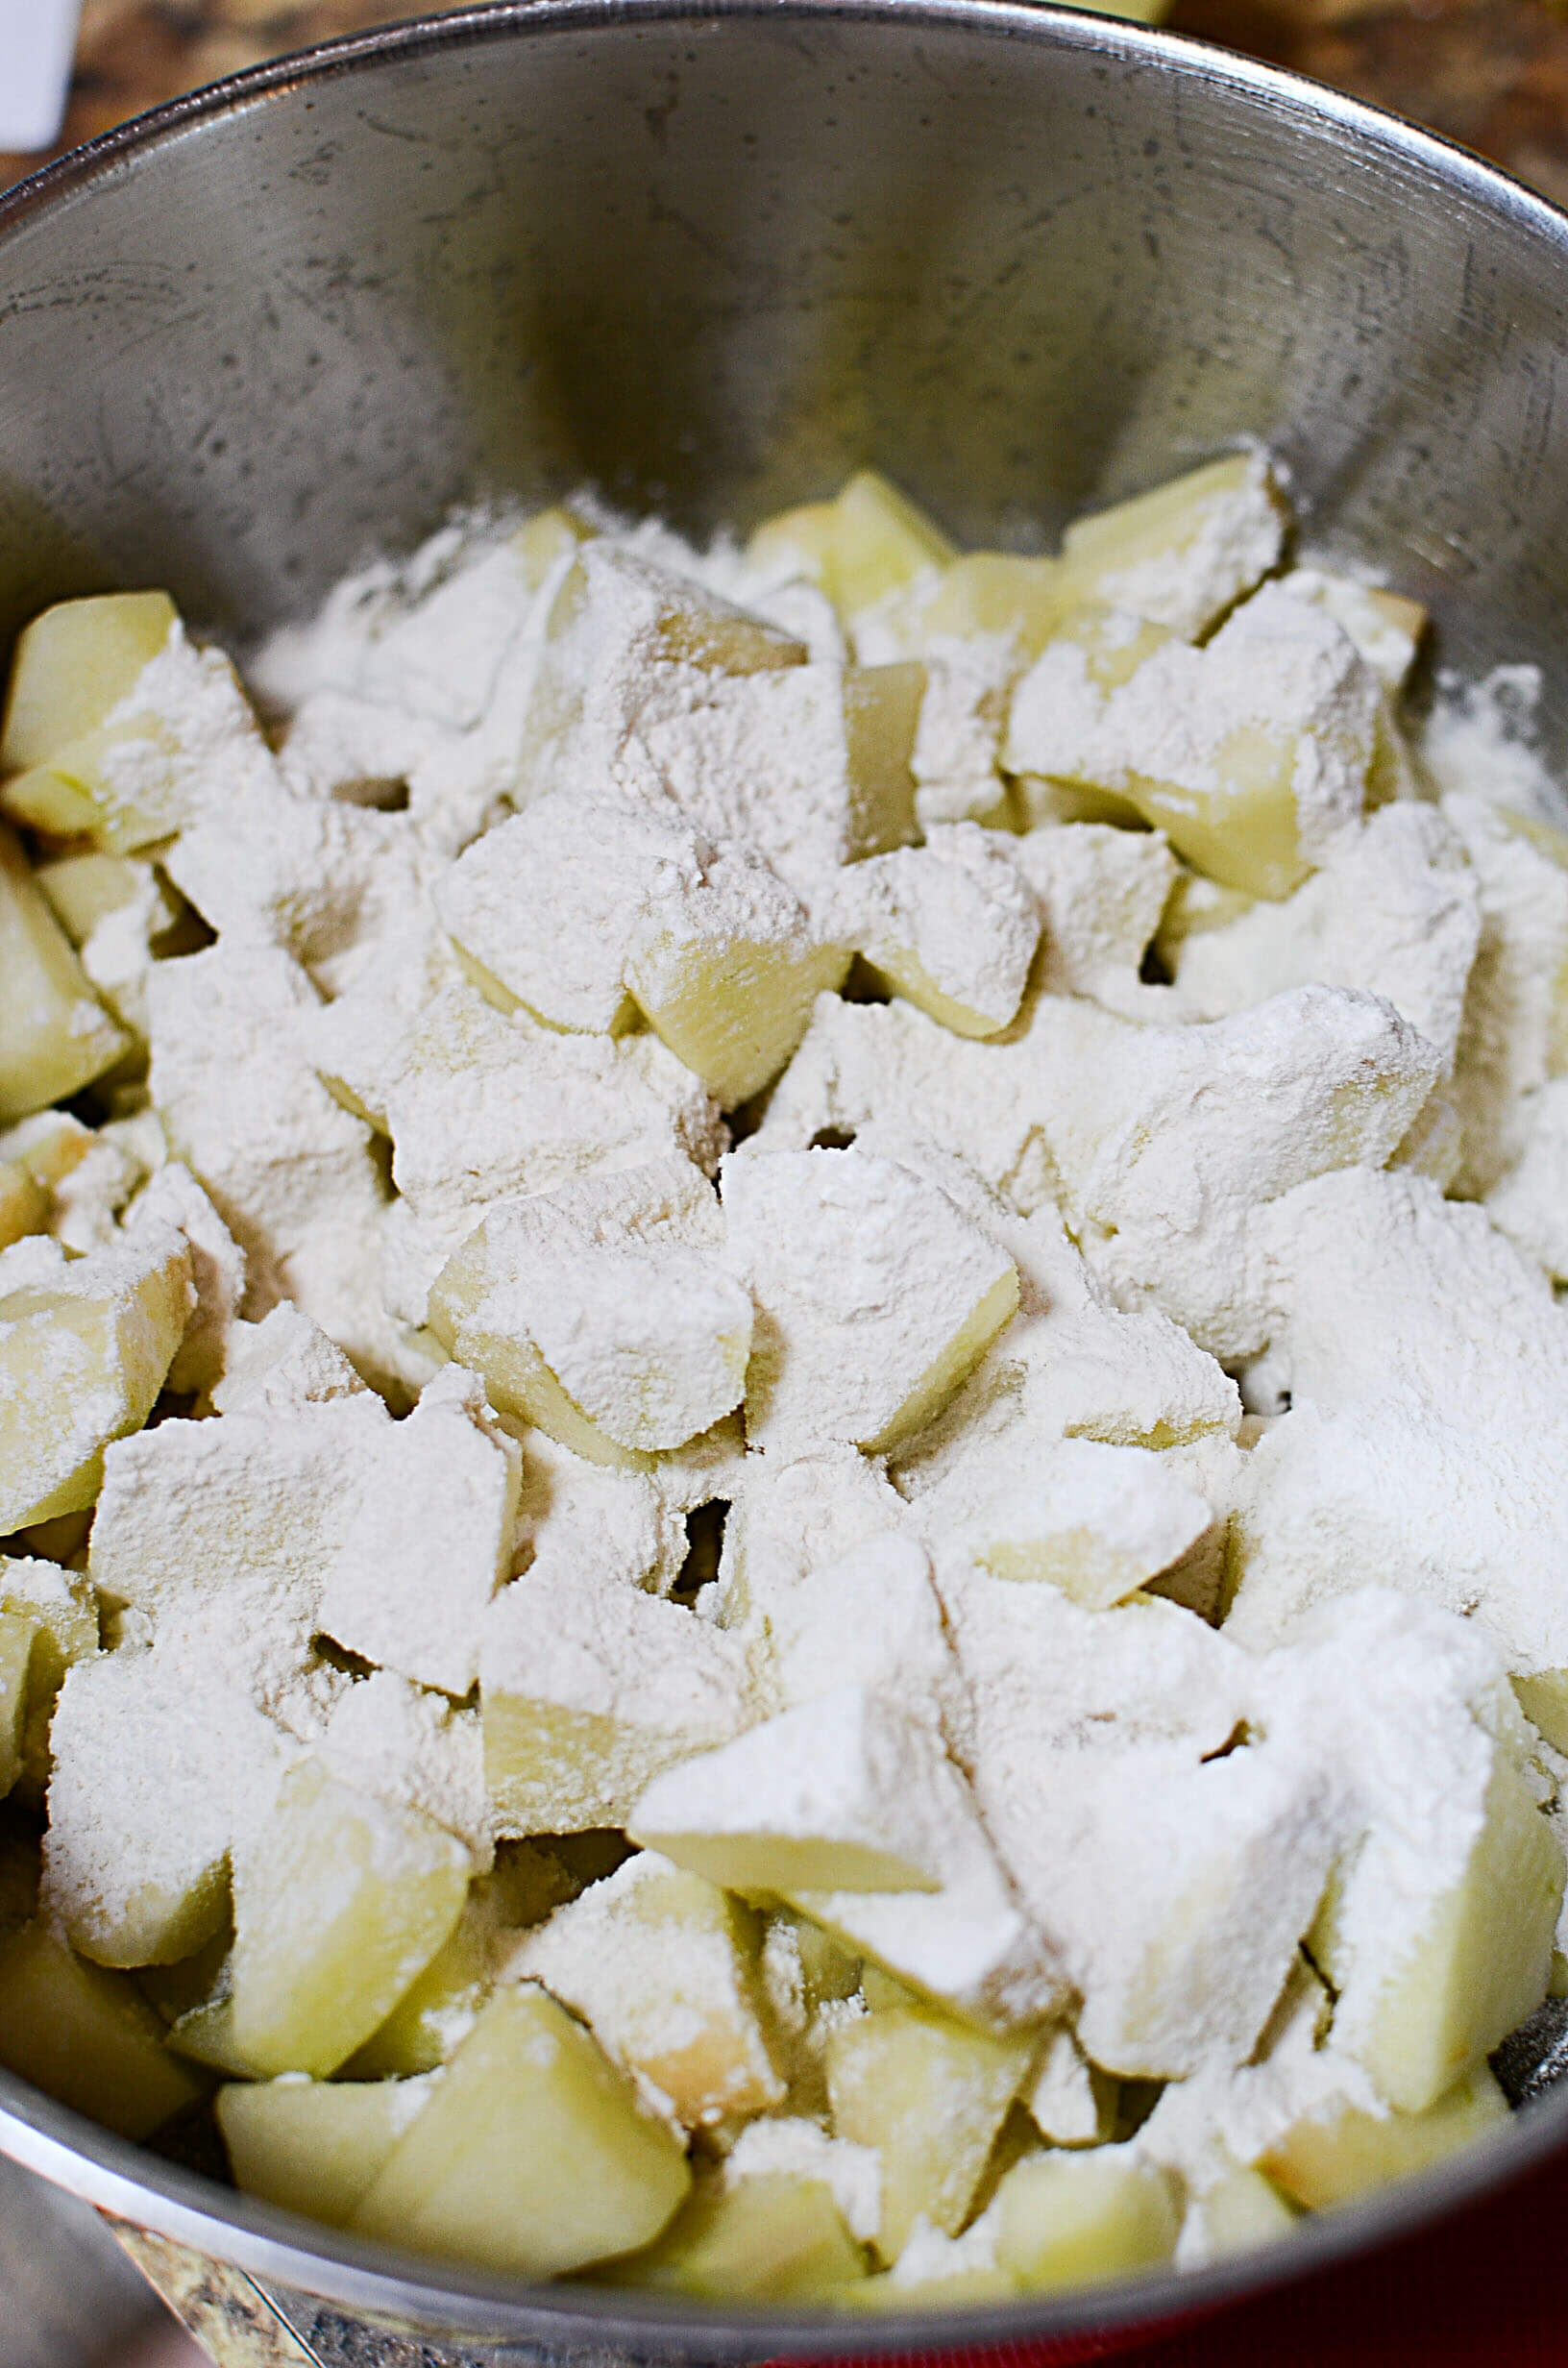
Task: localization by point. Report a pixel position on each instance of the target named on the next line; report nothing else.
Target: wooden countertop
(1491, 73)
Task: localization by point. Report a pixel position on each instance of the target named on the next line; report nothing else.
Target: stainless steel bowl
(713, 257)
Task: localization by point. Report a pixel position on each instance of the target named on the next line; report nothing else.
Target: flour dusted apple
(950, 925)
(602, 1313)
(578, 904)
(870, 541)
(533, 2155)
(874, 1296)
(1183, 554)
(664, 1968)
(588, 1691)
(55, 1035)
(844, 1794)
(381, 1598)
(1096, 1520)
(701, 1735)
(124, 727)
(1252, 754)
(83, 1353)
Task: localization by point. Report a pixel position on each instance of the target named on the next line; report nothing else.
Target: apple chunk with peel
(1328, 2158)
(83, 1356)
(55, 1034)
(533, 2155)
(588, 1690)
(930, 2095)
(600, 1314)
(340, 1900)
(663, 1967)
(844, 1793)
(875, 1295)
(776, 2237)
(1073, 2219)
(314, 2146)
(86, 2036)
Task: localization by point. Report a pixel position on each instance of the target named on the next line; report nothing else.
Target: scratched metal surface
(1022, 261)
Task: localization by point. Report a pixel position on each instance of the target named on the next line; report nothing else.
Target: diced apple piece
(82, 1360)
(1073, 2219)
(881, 542)
(1070, 2100)
(1479, 1965)
(1000, 592)
(55, 1035)
(24, 1205)
(844, 1793)
(1185, 553)
(626, 634)
(867, 542)
(813, 764)
(614, 1346)
(725, 966)
(339, 1902)
(131, 773)
(875, 1297)
(86, 2037)
(1327, 2158)
(533, 2155)
(17, 1637)
(798, 542)
(546, 540)
(950, 924)
(62, 1605)
(1252, 754)
(314, 2146)
(1385, 626)
(772, 2238)
(1239, 2213)
(930, 2094)
(380, 1598)
(693, 2031)
(1097, 1521)
(588, 1691)
(74, 664)
(137, 1874)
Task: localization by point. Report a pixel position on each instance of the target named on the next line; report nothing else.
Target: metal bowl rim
(446, 2297)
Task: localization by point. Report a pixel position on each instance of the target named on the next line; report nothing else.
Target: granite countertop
(1491, 73)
